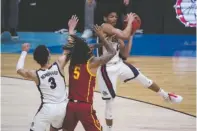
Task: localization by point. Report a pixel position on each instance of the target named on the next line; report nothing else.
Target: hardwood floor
(176, 75)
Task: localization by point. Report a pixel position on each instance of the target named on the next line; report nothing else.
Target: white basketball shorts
(49, 114)
(107, 76)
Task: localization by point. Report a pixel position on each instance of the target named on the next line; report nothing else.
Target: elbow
(17, 71)
(126, 55)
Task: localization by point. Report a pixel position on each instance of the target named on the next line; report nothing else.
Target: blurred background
(158, 16)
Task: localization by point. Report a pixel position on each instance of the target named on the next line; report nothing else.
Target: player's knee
(146, 82)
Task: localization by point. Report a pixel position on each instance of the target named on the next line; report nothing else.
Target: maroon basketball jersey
(81, 83)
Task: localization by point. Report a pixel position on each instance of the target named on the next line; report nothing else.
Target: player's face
(112, 18)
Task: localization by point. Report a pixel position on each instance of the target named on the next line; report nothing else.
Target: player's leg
(106, 77)
(59, 114)
(88, 118)
(13, 17)
(70, 120)
(107, 80)
(129, 72)
(109, 114)
(41, 119)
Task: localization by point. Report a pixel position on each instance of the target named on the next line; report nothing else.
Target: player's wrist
(71, 31)
(24, 53)
(101, 37)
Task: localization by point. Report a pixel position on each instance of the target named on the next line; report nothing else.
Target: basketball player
(51, 84)
(108, 74)
(82, 75)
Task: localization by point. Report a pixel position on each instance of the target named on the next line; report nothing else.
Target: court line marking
(127, 99)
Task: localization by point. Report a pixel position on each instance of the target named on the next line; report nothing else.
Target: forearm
(107, 45)
(67, 57)
(127, 31)
(125, 50)
(71, 31)
(21, 61)
(129, 46)
(64, 58)
(106, 58)
(124, 35)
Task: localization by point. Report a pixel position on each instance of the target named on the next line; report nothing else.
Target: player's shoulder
(90, 66)
(51, 67)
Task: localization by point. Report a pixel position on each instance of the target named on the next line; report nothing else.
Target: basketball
(135, 24)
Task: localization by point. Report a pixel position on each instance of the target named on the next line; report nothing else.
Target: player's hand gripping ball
(135, 24)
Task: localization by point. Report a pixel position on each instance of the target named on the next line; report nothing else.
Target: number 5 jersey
(81, 83)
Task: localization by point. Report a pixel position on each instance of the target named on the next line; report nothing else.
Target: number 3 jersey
(52, 86)
(81, 83)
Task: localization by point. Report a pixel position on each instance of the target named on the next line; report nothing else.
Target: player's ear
(105, 19)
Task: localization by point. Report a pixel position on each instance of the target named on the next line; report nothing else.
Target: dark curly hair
(109, 10)
(81, 52)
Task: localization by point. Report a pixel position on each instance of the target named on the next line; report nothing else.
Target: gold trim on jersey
(96, 121)
(89, 84)
(87, 67)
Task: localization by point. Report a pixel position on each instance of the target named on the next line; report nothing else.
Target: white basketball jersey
(115, 45)
(52, 86)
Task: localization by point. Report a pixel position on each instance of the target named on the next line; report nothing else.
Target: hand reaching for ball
(99, 31)
(133, 20)
(131, 17)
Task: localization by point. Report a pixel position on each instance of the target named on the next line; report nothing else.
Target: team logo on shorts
(186, 12)
(104, 93)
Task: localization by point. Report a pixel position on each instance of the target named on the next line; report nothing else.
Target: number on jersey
(53, 83)
(76, 72)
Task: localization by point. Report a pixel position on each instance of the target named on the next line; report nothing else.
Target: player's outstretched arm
(64, 58)
(121, 34)
(125, 49)
(72, 23)
(97, 61)
(28, 74)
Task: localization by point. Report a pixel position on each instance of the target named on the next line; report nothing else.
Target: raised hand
(72, 23)
(26, 47)
(99, 31)
(131, 17)
(126, 2)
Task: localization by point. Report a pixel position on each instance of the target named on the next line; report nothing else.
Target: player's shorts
(49, 114)
(107, 76)
(83, 112)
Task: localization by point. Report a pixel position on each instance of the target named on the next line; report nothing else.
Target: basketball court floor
(137, 108)
(20, 101)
